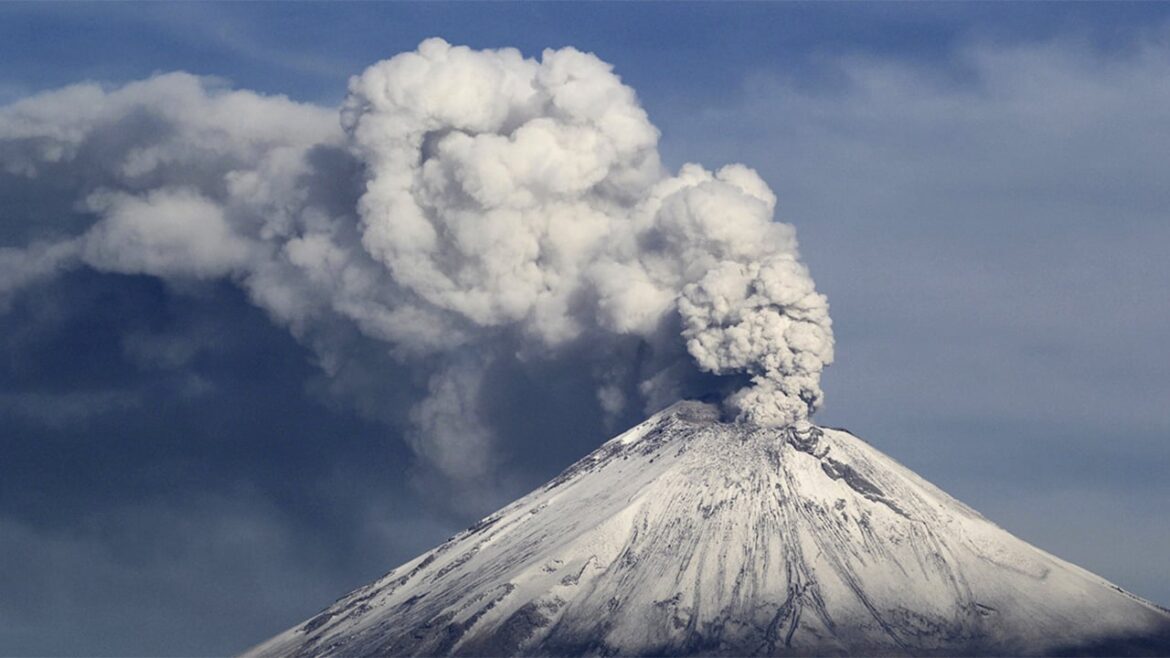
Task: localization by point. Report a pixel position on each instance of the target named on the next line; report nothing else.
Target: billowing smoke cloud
(471, 206)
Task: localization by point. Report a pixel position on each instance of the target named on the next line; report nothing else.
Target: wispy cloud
(57, 410)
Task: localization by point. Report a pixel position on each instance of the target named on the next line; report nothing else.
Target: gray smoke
(472, 207)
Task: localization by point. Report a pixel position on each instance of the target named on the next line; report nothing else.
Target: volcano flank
(687, 535)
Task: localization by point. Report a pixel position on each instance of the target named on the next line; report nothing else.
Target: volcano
(688, 535)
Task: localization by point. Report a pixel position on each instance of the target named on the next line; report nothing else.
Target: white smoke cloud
(471, 202)
(166, 232)
(22, 267)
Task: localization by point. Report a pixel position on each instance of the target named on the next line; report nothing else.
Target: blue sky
(978, 188)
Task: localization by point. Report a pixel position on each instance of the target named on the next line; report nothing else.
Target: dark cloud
(180, 457)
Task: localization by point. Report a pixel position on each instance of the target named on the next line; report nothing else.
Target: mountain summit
(690, 536)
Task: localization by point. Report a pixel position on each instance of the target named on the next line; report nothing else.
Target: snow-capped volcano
(687, 535)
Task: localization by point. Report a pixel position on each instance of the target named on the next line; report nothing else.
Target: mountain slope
(686, 535)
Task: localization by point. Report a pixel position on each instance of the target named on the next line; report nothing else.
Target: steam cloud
(471, 206)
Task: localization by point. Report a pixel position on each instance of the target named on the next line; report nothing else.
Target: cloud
(62, 409)
(470, 203)
(152, 558)
(22, 267)
(163, 454)
(167, 233)
(527, 195)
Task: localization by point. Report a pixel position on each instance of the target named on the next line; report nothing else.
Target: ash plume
(470, 209)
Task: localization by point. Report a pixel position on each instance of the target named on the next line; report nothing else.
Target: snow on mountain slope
(687, 535)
